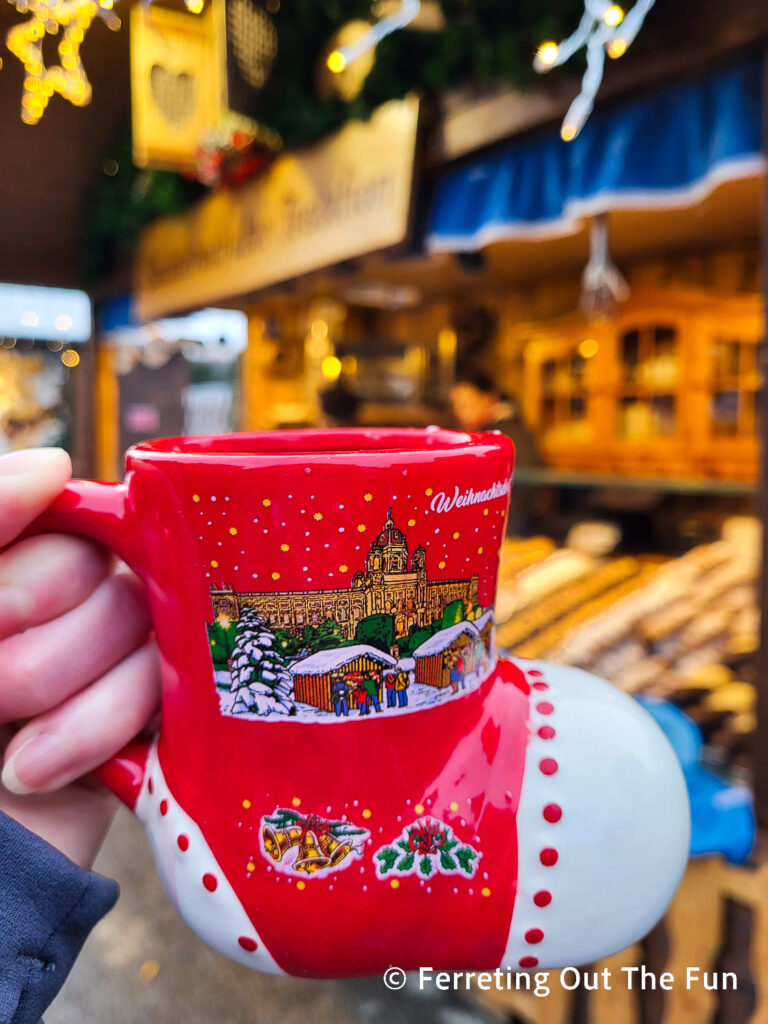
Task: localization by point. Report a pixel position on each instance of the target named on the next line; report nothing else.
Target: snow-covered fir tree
(261, 681)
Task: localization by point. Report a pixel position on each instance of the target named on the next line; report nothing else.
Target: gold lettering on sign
(344, 197)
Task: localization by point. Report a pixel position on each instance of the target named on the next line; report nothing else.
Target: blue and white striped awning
(669, 149)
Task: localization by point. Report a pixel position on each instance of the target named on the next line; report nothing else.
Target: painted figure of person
(454, 676)
(401, 687)
(390, 685)
(372, 689)
(460, 671)
(339, 696)
(361, 698)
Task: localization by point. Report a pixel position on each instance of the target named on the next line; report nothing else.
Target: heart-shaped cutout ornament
(175, 95)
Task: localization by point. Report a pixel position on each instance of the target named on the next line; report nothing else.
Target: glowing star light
(67, 78)
(604, 28)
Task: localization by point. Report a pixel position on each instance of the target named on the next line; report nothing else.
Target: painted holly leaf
(404, 845)
(405, 863)
(387, 857)
(425, 866)
(447, 861)
(450, 843)
(465, 856)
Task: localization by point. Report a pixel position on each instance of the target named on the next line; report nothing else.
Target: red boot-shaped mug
(347, 775)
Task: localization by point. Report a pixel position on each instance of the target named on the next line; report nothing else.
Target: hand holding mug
(80, 677)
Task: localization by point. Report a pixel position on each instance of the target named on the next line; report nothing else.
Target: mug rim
(333, 444)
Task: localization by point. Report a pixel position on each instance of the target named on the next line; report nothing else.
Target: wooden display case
(666, 388)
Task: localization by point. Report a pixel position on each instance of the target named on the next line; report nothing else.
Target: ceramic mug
(347, 775)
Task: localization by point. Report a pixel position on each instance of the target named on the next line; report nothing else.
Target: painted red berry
(542, 898)
(248, 944)
(534, 935)
(548, 765)
(210, 882)
(163, 807)
(548, 857)
(535, 672)
(151, 785)
(540, 685)
(528, 961)
(183, 843)
(546, 732)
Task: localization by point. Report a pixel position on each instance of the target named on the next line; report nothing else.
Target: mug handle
(102, 512)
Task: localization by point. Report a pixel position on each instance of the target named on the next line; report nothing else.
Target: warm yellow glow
(319, 329)
(70, 358)
(446, 342)
(588, 348)
(349, 365)
(568, 133)
(331, 367)
(547, 53)
(336, 62)
(613, 16)
(195, 6)
(617, 48)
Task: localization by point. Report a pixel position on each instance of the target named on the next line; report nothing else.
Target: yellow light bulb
(194, 6)
(588, 348)
(336, 62)
(613, 16)
(568, 133)
(617, 48)
(331, 367)
(70, 358)
(547, 53)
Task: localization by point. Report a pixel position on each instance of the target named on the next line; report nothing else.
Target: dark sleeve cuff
(48, 906)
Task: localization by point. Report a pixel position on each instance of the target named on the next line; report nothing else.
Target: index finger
(29, 481)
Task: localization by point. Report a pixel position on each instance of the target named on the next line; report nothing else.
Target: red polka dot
(540, 686)
(534, 672)
(548, 857)
(546, 732)
(183, 842)
(210, 882)
(548, 765)
(534, 935)
(151, 785)
(544, 707)
(163, 807)
(542, 898)
(528, 961)
(249, 945)
(552, 813)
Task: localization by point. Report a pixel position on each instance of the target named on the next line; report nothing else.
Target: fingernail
(36, 764)
(29, 460)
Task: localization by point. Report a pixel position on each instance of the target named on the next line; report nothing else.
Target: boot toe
(603, 823)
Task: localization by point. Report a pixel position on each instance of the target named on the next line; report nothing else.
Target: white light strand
(409, 10)
(603, 28)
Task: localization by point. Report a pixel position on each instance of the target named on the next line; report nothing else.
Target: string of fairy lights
(604, 28)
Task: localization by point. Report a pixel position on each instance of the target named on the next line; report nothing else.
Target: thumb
(29, 481)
